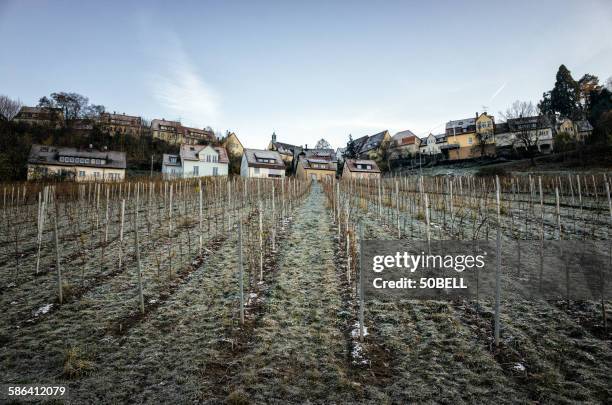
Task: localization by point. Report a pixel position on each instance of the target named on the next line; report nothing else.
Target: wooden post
(260, 241)
(200, 214)
(498, 269)
(121, 232)
(240, 273)
(361, 289)
(57, 260)
(137, 243)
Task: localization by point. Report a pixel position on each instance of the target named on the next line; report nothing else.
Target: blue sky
(305, 69)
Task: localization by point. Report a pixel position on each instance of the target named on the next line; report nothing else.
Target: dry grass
(76, 364)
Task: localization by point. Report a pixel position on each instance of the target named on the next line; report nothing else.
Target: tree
(600, 102)
(526, 126)
(564, 98)
(322, 144)
(587, 84)
(8, 108)
(351, 150)
(93, 111)
(73, 105)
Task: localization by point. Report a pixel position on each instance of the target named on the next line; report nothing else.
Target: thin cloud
(178, 86)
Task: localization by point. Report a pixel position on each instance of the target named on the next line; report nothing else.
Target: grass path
(299, 352)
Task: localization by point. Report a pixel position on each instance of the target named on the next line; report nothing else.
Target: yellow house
(566, 125)
(75, 164)
(169, 131)
(465, 134)
(317, 164)
(233, 146)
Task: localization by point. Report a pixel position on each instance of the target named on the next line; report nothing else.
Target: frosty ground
(298, 342)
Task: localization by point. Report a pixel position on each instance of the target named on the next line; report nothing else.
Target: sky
(303, 69)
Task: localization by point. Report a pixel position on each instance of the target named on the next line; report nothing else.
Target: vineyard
(247, 290)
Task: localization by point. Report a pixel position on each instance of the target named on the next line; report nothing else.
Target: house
(171, 166)
(373, 146)
(431, 144)
(404, 144)
(584, 129)
(233, 146)
(196, 161)
(565, 125)
(485, 135)
(464, 135)
(120, 124)
(360, 169)
(169, 131)
(40, 116)
(262, 163)
(516, 133)
(317, 164)
(359, 142)
(195, 136)
(175, 133)
(504, 140)
(75, 164)
(286, 150)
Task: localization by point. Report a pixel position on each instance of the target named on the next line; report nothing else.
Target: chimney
(306, 148)
(273, 136)
(476, 114)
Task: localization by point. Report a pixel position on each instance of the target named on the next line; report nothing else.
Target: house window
(96, 174)
(215, 171)
(81, 173)
(469, 140)
(256, 170)
(208, 158)
(61, 159)
(71, 160)
(196, 170)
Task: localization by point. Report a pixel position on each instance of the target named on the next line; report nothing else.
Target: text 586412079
(32, 391)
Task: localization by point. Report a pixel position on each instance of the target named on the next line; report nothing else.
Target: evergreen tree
(564, 98)
(351, 151)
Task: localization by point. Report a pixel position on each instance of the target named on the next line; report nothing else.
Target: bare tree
(8, 108)
(73, 105)
(526, 124)
(322, 144)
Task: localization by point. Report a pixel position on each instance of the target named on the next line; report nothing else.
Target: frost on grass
(42, 310)
(355, 331)
(358, 354)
